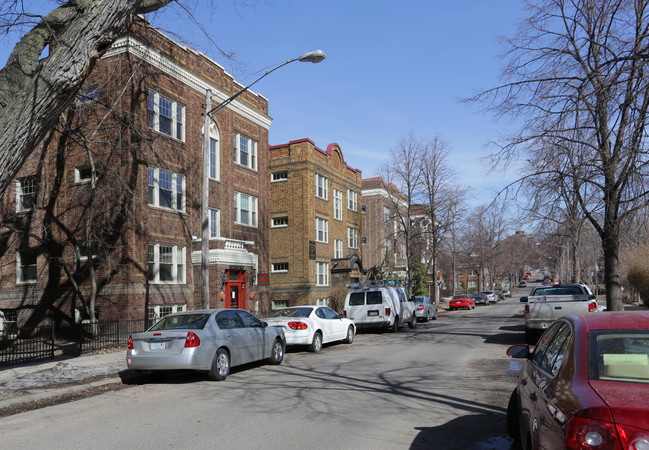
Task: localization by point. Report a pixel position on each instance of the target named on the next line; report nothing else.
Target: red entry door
(235, 289)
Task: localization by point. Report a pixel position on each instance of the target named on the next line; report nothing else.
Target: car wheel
(435, 316)
(220, 366)
(413, 321)
(316, 345)
(512, 416)
(395, 325)
(350, 335)
(530, 337)
(277, 354)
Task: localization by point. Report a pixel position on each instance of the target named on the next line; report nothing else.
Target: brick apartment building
(140, 118)
(381, 241)
(315, 223)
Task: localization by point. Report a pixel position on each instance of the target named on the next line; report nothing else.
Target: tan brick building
(148, 92)
(315, 223)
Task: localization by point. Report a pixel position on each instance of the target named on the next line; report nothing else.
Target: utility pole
(205, 211)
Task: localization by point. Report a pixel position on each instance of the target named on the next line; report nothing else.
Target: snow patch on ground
(61, 373)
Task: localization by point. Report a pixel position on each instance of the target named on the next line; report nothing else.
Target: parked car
(492, 297)
(461, 301)
(379, 306)
(480, 299)
(425, 308)
(312, 326)
(505, 293)
(585, 385)
(523, 283)
(212, 340)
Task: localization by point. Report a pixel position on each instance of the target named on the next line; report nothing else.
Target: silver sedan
(212, 340)
(425, 308)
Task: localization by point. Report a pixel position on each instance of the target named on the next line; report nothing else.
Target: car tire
(530, 336)
(395, 325)
(316, 344)
(413, 321)
(277, 353)
(350, 335)
(427, 317)
(513, 427)
(435, 316)
(220, 366)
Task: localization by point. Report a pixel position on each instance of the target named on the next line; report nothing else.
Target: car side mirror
(524, 299)
(518, 351)
(264, 324)
(592, 297)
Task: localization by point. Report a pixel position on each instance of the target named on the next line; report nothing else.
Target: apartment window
(245, 209)
(386, 214)
(278, 222)
(279, 176)
(88, 94)
(363, 241)
(82, 174)
(215, 153)
(321, 230)
(352, 235)
(363, 209)
(322, 301)
(280, 267)
(166, 189)
(26, 267)
(26, 193)
(166, 116)
(245, 151)
(322, 274)
(279, 304)
(338, 248)
(338, 204)
(472, 284)
(403, 251)
(81, 251)
(157, 312)
(321, 186)
(215, 223)
(352, 200)
(166, 264)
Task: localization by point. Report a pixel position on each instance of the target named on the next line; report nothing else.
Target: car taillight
(633, 438)
(584, 433)
(527, 309)
(130, 342)
(387, 311)
(592, 307)
(297, 325)
(345, 313)
(420, 308)
(192, 340)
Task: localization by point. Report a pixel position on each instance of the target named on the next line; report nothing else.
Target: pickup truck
(545, 304)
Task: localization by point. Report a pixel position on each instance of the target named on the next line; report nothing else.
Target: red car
(585, 385)
(461, 301)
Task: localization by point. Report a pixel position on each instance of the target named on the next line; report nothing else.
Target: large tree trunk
(610, 244)
(34, 91)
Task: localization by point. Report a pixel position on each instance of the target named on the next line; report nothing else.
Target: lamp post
(314, 56)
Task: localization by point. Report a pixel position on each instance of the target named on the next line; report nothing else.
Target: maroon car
(585, 385)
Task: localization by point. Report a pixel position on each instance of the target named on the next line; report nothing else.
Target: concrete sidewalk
(44, 381)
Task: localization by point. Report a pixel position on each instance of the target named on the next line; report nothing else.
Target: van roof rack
(366, 284)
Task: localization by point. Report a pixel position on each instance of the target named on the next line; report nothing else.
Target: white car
(312, 326)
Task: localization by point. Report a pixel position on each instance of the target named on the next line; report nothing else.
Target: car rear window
(357, 298)
(374, 298)
(181, 321)
(619, 356)
(292, 312)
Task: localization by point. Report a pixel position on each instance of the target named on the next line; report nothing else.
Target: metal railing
(26, 344)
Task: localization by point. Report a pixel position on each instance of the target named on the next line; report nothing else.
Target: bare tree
(34, 91)
(576, 79)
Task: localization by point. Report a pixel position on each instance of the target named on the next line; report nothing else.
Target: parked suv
(379, 306)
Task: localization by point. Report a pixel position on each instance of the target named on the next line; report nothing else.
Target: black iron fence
(27, 344)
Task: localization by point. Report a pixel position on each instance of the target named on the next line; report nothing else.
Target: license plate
(372, 313)
(157, 345)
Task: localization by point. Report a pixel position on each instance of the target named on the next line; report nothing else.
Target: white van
(378, 306)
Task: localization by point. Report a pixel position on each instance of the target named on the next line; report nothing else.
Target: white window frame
(177, 262)
(352, 200)
(279, 176)
(352, 237)
(279, 222)
(321, 187)
(403, 251)
(279, 304)
(157, 312)
(177, 115)
(26, 187)
(322, 301)
(338, 204)
(79, 177)
(251, 162)
(252, 205)
(215, 153)
(321, 230)
(338, 248)
(280, 267)
(215, 223)
(177, 181)
(81, 253)
(322, 273)
(20, 269)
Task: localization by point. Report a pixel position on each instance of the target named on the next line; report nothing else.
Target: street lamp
(314, 56)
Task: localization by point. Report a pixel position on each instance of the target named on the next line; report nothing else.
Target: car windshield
(292, 312)
(181, 321)
(460, 297)
(619, 355)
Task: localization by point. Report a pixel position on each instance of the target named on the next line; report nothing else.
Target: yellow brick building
(315, 220)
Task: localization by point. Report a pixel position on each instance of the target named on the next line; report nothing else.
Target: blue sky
(392, 67)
